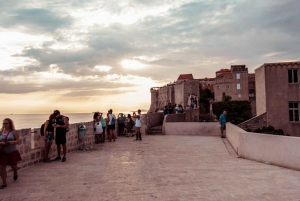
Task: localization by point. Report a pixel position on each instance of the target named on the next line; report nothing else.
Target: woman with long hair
(9, 138)
(97, 127)
(48, 137)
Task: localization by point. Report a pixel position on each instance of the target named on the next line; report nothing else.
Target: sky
(92, 55)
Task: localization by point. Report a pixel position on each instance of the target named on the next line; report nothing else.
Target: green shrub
(237, 111)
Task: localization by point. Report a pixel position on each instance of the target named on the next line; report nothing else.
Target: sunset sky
(82, 56)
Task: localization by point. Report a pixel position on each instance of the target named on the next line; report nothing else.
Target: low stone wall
(31, 144)
(255, 122)
(279, 150)
(192, 128)
(175, 118)
(192, 115)
(151, 120)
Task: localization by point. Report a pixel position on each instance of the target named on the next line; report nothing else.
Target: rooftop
(185, 77)
(160, 167)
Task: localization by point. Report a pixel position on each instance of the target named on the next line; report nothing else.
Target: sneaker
(47, 160)
(58, 158)
(63, 159)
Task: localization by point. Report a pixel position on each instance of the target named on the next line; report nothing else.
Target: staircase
(157, 130)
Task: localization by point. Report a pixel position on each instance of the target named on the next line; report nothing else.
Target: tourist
(165, 110)
(180, 109)
(61, 125)
(121, 123)
(97, 128)
(103, 123)
(176, 109)
(9, 138)
(170, 109)
(138, 126)
(111, 125)
(48, 137)
(187, 107)
(222, 121)
(129, 125)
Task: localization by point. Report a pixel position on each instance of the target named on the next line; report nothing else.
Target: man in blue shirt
(222, 121)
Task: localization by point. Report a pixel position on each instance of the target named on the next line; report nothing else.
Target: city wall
(192, 128)
(31, 144)
(278, 150)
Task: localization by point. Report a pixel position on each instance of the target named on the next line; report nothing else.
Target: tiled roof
(211, 87)
(185, 77)
(223, 74)
(206, 79)
(251, 74)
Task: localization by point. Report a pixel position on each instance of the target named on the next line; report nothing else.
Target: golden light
(132, 64)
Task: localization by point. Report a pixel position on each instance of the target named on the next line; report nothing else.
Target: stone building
(207, 83)
(278, 95)
(232, 82)
(177, 92)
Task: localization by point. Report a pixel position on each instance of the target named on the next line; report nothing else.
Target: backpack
(42, 129)
(112, 122)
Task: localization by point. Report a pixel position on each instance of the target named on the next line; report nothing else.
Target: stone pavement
(158, 168)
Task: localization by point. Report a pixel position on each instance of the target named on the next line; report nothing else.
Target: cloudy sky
(82, 56)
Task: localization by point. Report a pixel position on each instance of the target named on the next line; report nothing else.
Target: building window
(239, 95)
(238, 76)
(227, 86)
(294, 111)
(218, 87)
(223, 95)
(293, 75)
(238, 86)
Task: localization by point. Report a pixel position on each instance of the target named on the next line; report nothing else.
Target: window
(238, 76)
(294, 111)
(218, 87)
(227, 86)
(239, 95)
(223, 95)
(293, 75)
(238, 86)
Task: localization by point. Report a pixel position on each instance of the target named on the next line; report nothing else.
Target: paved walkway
(158, 168)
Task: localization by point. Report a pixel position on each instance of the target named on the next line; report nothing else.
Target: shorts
(10, 158)
(138, 129)
(49, 137)
(111, 127)
(60, 138)
(223, 127)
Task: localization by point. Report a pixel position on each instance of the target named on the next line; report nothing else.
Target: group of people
(173, 109)
(102, 124)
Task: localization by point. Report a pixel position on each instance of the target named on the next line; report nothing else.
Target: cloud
(35, 20)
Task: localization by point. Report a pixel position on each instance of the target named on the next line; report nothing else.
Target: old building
(207, 83)
(278, 95)
(232, 82)
(177, 92)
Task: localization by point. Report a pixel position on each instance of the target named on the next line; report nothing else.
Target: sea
(36, 120)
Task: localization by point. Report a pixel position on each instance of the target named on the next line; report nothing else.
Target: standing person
(98, 129)
(180, 109)
(222, 121)
(61, 125)
(9, 138)
(121, 123)
(48, 137)
(138, 126)
(170, 109)
(103, 123)
(176, 109)
(111, 125)
(165, 111)
(129, 125)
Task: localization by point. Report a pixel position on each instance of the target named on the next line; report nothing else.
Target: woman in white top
(111, 125)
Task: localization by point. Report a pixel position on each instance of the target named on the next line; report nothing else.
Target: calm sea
(36, 120)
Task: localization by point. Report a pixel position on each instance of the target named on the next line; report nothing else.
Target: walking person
(48, 137)
(111, 125)
(103, 123)
(61, 125)
(138, 126)
(9, 138)
(222, 121)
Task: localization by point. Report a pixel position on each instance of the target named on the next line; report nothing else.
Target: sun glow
(132, 64)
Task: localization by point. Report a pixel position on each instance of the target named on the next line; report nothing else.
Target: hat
(56, 112)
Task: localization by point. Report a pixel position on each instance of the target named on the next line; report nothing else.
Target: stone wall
(192, 115)
(175, 118)
(255, 122)
(151, 120)
(32, 144)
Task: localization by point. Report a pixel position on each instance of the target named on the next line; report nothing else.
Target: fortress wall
(31, 146)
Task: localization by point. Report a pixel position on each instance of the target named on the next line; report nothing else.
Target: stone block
(32, 156)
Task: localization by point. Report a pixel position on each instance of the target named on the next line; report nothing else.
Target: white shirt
(138, 123)
(98, 127)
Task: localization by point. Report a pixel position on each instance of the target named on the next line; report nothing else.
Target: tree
(205, 96)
